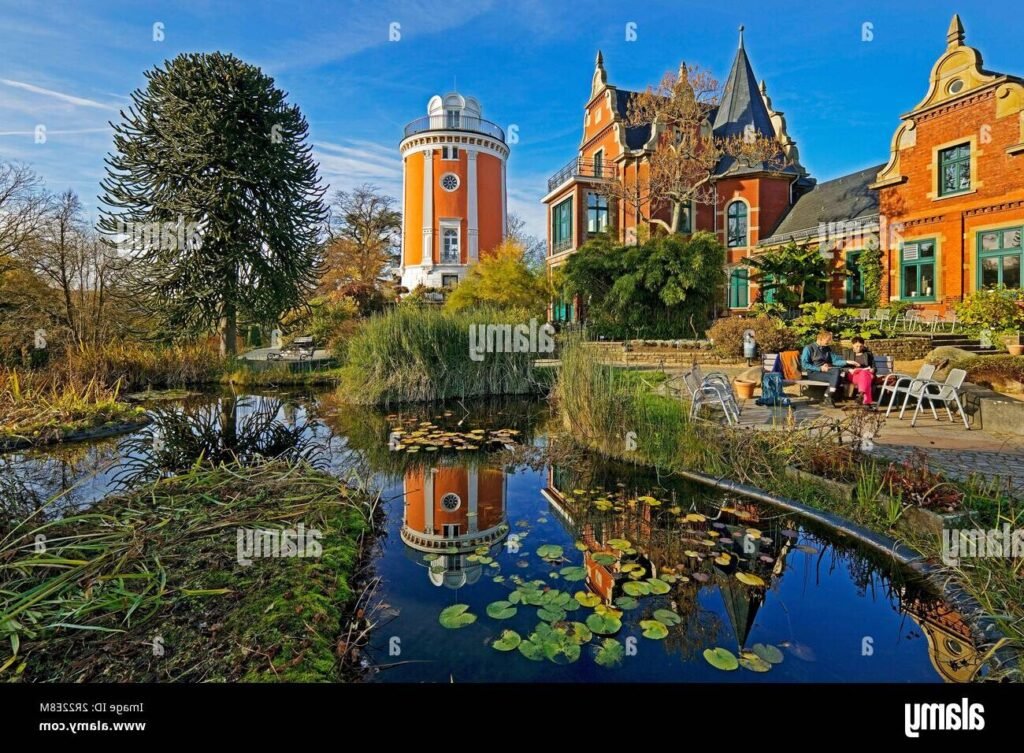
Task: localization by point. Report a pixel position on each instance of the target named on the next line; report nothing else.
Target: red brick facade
(970, 218)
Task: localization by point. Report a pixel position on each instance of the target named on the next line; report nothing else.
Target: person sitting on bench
(822, 365)
(862, 373)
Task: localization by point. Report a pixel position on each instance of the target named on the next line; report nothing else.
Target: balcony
(446, 122)
(583, 168)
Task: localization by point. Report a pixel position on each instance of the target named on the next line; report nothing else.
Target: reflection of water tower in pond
(453, 191)
(451, 512)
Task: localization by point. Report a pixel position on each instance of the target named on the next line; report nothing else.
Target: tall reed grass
(142, 365)
(417, 354)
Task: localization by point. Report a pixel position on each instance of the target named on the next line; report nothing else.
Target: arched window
(450, 246)
(736, 225)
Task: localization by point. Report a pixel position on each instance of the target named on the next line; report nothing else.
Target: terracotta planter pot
(744, 389)
(1015, 350)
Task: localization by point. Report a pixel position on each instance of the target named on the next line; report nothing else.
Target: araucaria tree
(687, 153)
(212, 192)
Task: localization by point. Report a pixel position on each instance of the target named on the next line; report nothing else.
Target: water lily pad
(551, 614)
(431, 557)
(620, 544)
(610, 653)
(768, 652)
(659, 586)
(581, 546)
(605, 609)
(550, 552)
(654, 630)
(515, 597)
(604, 624)
(605, 559)
(626, 602)
(636, 588)
(700, 577)
(695, 517)
(630, 567)
(587, 600)
(501, 610)
(532, 650)
(509, 641)
(578, 632)
(753, 662)
(721, 658)
(667, 617)
(456, 616)
(573, 574)
(749, 579)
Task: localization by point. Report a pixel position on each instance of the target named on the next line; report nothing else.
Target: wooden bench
(791, 374)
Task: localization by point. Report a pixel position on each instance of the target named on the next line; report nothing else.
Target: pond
(566, 568)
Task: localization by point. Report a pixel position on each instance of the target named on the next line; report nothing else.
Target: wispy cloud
(69, 98)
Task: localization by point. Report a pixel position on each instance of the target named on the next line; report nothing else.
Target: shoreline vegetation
(622, 416)
(164, 583)
(423, 354)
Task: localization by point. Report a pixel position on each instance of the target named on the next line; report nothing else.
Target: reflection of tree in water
(244, 430)
(699, 628)
(30, 478)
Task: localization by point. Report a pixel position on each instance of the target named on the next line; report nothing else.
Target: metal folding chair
(711, 394)
(930, 391)
(897, 383)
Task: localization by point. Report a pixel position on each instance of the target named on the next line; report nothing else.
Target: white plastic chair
(943, 392)
(896, 383)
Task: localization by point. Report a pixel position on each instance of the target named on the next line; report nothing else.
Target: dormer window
(453, 118)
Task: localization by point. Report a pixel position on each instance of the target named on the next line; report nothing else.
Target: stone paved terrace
(950, 448)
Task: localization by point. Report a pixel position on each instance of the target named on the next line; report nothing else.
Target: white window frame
(451, 225)
(450, 153)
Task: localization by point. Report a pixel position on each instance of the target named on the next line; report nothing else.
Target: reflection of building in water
(451, 512)
(665, 545)
(951, 646)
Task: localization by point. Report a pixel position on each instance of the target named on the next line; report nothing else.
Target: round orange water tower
(453, 191)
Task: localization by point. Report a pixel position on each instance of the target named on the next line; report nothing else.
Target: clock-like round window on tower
(449, 181)
(451, 502)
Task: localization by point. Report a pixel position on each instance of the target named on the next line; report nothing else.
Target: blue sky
(70, 66)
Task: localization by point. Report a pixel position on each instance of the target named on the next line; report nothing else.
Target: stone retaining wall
(655, 353)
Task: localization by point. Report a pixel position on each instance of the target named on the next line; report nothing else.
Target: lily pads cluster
(761, 657)
(411, 436)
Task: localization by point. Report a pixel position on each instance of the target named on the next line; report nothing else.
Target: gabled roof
(741, 104)
(842, 199)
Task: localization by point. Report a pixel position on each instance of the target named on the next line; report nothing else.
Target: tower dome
(453, 191)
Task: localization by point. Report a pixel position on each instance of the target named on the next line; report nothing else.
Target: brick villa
(947, 207)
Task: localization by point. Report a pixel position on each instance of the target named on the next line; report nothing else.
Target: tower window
(453, 118)
(736, 225)
(449, 152)
(451, 502)
(449, 181)
(450, 246)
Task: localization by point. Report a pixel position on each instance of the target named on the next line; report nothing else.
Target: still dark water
(567, 570)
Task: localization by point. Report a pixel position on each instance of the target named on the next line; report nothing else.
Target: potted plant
(744, 389)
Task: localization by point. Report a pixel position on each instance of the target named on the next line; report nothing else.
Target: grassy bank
(625, 419)
(149, 586)
(36, 408)
(418, 354)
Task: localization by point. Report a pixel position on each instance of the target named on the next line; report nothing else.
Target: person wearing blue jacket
(822, 365)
